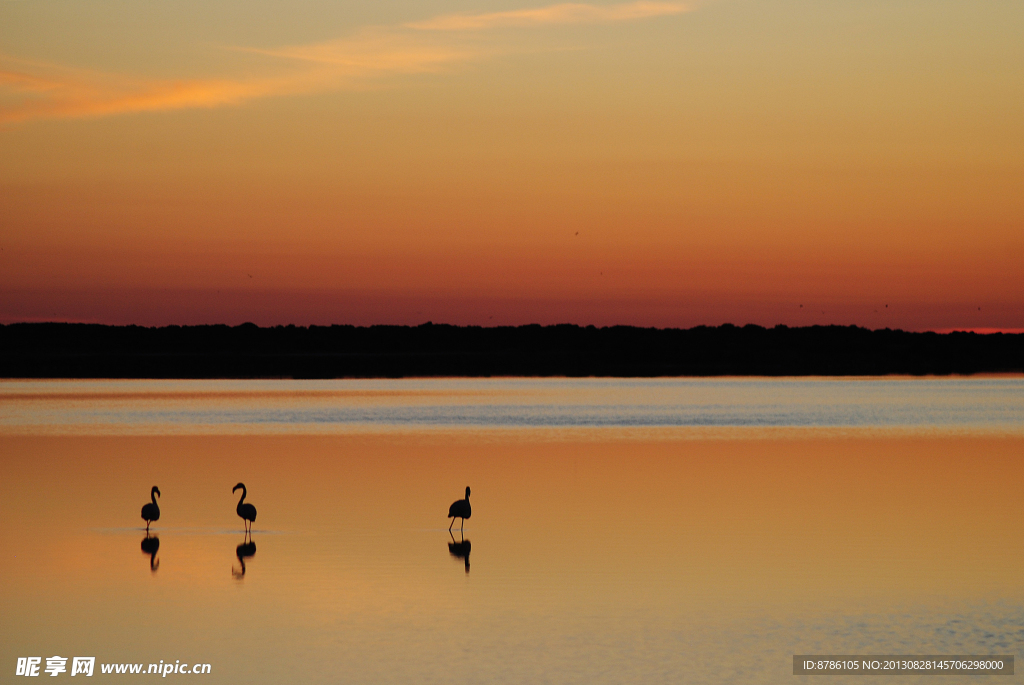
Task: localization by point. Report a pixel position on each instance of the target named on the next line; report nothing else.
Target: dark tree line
(57, 350)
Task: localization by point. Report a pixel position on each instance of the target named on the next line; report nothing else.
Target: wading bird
(246, 511)
(151, 512)
(460, 510)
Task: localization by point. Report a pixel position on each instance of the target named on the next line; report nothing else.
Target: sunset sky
(508, 162)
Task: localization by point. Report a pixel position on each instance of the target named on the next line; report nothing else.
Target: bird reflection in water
(460, 550)
(150, 545)
(244, 551)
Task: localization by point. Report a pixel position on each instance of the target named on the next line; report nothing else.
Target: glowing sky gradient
(485, 162)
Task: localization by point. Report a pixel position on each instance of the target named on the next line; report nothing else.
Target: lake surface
(655, 531)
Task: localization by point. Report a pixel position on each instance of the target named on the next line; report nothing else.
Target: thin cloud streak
(77, 95)
(376, 52)
(31, 90)
(60, 93)
(566, 13)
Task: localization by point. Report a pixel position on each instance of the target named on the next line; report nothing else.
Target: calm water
(160, 407)
(655, 531)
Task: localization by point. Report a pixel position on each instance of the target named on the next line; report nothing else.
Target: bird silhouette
(461, 510)
(151, 512)
(150, 545)
(246, 511)
(460, 550)
(243, 551)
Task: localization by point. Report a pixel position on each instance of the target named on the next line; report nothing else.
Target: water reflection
(460, 550)
(244, 551)
(761, 545)
(150, 545)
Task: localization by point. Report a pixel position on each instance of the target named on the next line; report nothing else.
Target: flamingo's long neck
(152, 495)
(243, 497)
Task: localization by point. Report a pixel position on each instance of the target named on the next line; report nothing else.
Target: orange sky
(650, 163)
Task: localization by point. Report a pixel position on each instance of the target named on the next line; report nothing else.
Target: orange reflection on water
(353, 543)
(877, 512)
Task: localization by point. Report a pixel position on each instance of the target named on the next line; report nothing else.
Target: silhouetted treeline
(248, 351)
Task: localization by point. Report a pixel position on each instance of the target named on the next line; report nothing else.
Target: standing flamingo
(151, 512)
(246, 511)
(460, 509)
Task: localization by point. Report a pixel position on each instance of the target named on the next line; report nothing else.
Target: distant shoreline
(60, 350)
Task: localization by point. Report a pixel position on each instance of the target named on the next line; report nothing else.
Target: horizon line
(982, 330)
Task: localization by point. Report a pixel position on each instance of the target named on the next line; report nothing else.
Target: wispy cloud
(565, 13)
(33, 90)
(63, 93)
(377, 51)
(37, 91)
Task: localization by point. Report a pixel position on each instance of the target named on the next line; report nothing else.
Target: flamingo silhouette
(461, 510)
(151, 512)
(246, 511)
